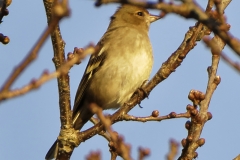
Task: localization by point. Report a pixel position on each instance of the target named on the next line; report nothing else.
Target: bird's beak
(154, 18)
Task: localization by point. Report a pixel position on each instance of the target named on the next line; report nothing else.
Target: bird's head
(130, 15)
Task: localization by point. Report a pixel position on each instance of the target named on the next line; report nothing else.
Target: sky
(30, 123)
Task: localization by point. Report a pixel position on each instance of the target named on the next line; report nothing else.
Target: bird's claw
(141, 88)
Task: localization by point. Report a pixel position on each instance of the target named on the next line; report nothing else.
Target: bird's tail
(52, 152)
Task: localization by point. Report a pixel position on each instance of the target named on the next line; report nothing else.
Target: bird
(122, 63)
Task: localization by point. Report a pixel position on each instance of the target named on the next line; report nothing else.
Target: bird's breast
(127, 65)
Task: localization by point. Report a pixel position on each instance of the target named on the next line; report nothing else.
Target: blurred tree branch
(46, 76)
(235, 65)
(31, 56)
(173, 150)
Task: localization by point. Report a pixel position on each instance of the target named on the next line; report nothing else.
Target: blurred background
(30, 123)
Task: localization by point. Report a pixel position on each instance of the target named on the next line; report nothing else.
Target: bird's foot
(140, 89)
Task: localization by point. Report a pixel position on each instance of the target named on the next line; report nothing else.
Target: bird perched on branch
(122, 63)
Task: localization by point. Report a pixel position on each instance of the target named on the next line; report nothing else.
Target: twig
(94, 156)
(173, 150)
(143, 152)
(32, 55)
(235, 65)
(103, 132)
(189, 9)
(34, 84)
(116, 144)
(128, 117)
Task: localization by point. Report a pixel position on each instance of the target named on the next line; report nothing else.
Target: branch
(65, 144)
(94, 156)
(32, 55)
(189, 9)
(143, 152)
(117, 144)
(103, 133)
(154, 117)
(173, 150)
(36, 83)
(235, 65)
(195, 127)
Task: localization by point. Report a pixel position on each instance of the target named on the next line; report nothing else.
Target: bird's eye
(140, 13)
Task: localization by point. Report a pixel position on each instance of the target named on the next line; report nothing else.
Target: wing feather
(95, 62)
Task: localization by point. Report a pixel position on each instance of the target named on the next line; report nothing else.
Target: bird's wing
(96, 60)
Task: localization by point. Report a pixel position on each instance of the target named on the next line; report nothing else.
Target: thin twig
(173, 150)
(103, 133)
(235, 65)
(32, 55)
(116, 144)
(34, 84)
(143, 153)
(128, 117)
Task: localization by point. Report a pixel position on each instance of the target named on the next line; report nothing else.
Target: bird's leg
(138, 93)
(141, 88)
